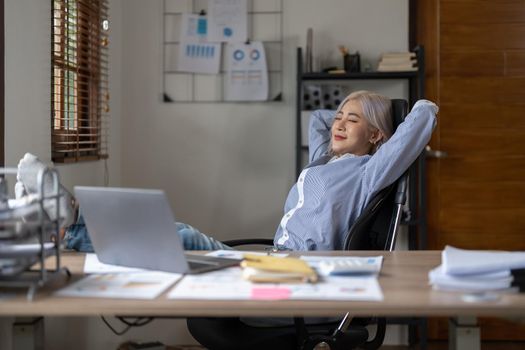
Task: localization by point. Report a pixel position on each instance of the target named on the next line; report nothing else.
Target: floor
(435, 345)
(443, 345)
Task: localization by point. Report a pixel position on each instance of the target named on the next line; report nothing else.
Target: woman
(353, 156)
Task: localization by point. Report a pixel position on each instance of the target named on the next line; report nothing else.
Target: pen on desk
(226, 255)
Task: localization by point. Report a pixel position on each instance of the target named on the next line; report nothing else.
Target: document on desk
(345, 265)
(137, 285)
(93, 265)
(238, 254)
(228, 284)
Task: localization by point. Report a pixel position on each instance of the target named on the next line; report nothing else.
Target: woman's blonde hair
(377, 110)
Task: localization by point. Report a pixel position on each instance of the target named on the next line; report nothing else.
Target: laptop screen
(132, 227)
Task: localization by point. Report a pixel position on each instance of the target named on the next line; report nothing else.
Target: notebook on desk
(136, 228)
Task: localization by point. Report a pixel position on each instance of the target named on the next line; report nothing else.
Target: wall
(226, 167)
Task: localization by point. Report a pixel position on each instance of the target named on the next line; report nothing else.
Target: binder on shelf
(305, 122)
(398, 62)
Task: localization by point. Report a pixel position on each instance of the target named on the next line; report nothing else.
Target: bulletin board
(265, 24)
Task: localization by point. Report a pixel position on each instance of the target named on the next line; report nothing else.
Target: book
(398, 60)
(409, 66)
(406, 54)
(396, 65)
(396, 68)
(271, 269)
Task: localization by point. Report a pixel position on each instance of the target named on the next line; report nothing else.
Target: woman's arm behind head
(319, 133)
(396, 155)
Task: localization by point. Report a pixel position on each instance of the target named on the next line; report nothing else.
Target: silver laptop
(136, 228)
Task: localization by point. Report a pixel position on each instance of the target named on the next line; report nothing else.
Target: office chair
(374, 229)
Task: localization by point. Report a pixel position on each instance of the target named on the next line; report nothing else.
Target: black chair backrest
(375, 228)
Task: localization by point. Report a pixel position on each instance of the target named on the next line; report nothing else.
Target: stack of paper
(476, 270)
(397, 62)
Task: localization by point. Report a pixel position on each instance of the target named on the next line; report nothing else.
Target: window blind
(79, 91)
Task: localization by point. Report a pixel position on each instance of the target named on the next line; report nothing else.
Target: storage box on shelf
(29, 233)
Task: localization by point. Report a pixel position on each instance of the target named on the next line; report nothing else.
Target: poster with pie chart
(246, 72)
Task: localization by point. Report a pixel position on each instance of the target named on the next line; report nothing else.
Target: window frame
(79, 80)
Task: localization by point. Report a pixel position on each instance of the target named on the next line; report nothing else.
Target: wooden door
(2, 84)
(476, 73)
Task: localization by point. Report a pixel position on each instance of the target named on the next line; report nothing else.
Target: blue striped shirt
(330, 195)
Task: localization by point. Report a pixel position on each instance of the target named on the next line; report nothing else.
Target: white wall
(226, 167)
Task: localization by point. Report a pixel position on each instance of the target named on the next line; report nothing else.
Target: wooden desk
(403, 279)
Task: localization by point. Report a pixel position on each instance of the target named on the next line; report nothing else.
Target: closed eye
(354, 116)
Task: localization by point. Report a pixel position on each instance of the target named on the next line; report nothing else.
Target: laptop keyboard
(199, 264)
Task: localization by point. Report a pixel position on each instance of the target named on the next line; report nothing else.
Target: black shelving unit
(416, 217)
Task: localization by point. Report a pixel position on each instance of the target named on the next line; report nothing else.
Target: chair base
(233, 334)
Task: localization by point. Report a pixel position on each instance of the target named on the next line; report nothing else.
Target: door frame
(2, 85)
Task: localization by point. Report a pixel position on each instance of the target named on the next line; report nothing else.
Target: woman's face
(351, 133)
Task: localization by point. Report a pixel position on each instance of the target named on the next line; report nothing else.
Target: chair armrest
(248, 241)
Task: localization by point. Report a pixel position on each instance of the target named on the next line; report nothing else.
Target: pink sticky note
(270, 293)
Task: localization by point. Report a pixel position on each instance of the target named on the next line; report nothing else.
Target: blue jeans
(193, 239)
(77, 238)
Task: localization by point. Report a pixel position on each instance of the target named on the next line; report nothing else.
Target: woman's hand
(428, 104)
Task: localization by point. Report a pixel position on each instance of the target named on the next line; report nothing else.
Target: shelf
(357, 76)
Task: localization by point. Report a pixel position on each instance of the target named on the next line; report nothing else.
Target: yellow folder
(261, 268)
